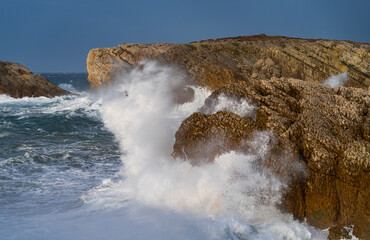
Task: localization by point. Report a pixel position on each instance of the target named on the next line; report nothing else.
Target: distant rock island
(326, 130)
(17, 81)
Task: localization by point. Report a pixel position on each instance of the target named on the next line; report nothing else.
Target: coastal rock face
(17, 81)
(321, 145)
(319, 136)
(216, 63)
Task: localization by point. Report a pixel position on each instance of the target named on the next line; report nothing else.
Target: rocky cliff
(320, 136)
(215, 63)
(17, 81)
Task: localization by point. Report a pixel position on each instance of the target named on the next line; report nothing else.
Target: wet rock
(322, 130)
(338, 232)
(201, 137)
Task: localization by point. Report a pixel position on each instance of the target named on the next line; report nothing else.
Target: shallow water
(98, 166)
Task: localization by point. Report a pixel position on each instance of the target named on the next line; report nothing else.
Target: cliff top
(217, 62)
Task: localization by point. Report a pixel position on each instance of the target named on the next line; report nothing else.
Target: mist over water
(87, 184)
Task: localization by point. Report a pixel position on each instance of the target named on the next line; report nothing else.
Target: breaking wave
(138, 110)
(64, 176)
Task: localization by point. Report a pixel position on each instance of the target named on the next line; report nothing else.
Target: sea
(98, 165)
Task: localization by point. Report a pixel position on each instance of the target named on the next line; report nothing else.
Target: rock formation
(320, 136)
(17, 81)
(327, 130)
(215, 63)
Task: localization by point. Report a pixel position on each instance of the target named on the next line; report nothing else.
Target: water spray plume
(139, 111)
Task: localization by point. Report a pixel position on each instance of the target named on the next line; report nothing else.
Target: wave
(138, 110)
(152, 195)
(69, 87)
(63, 105)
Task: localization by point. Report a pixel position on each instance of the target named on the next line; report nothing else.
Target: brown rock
(201, 137)
(322, 128)
(17, 81)
(266, 68)
(325, 130)
(216, 63)
(338, 232)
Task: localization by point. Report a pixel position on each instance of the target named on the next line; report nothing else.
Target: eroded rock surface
(319, 135)
(215, 63)
(326, 130)
(17, 81)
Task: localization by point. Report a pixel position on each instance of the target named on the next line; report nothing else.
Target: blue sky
(56, 35)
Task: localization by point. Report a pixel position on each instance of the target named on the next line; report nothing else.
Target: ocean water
(99, 166)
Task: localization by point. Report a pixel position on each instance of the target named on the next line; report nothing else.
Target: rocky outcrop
(17, 81)
(320, 136)
(326, 130)
(215, 63)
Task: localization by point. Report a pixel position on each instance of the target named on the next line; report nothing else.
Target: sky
(56, 35)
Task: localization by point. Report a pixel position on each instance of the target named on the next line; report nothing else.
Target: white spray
(336, 80)
(241, 107)
(138, 109)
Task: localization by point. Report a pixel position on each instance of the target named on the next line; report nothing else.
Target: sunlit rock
(17, 81)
